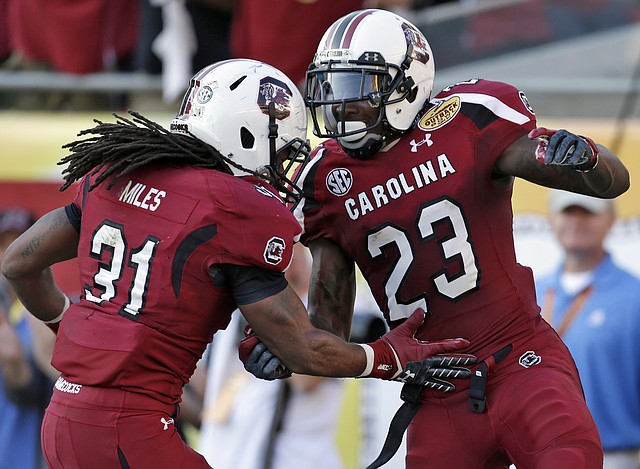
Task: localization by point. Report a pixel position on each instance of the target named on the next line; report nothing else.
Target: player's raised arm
(563, 160)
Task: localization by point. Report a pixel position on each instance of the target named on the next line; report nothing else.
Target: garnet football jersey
(425, 223)
(149, 307)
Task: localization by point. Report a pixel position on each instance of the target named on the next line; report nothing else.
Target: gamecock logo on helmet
(276, 92)
(274, 251)
(419, 50)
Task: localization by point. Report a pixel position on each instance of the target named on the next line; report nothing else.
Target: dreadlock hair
(126, 145)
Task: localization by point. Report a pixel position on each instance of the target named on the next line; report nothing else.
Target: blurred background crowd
(171, 39)
(577, 60)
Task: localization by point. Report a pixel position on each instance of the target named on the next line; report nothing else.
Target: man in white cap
(594, 305)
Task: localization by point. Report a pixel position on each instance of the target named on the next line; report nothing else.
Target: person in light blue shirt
(25, 388)
(594, 305)
(22, 407)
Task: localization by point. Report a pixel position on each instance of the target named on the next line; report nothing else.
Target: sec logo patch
(339, 181)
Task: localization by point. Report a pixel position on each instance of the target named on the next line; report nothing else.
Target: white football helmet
(373, 56)
(254, 115)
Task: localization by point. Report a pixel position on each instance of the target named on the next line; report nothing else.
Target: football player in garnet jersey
(173, 231)
(416, 190)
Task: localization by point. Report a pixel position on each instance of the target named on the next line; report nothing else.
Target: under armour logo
(166, 422)
(415, 145)
(406, 375)
(371, 57)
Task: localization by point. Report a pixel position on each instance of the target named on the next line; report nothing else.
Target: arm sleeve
(74, 215)
(248, 284)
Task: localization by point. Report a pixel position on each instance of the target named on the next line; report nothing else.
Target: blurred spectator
(179, 37)
(5, 45)
(149, 27)
(268, 424)
(250, 423)
(75, 36)
(212, 27)
(594, 305)
(25, 389)
(572, 18)
(284, 33)
(506, 29)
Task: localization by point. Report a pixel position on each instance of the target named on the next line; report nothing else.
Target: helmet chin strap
(364, 147)
(352, 126)
(273, 134)
(360, 144)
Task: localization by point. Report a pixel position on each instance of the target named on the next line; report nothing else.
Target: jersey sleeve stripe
(307, 179)
(496, 106)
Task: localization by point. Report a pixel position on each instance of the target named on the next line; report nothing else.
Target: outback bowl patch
(440, 114)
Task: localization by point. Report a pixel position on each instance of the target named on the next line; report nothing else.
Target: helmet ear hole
(246, 138)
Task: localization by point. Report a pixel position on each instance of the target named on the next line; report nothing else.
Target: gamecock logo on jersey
(526, 102)
(339, 181)
(277, 92)
(440, 114)
(529, 359)
(274, 251)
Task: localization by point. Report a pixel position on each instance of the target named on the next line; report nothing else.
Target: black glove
(258, 359)
(434, 372)
(561, 147)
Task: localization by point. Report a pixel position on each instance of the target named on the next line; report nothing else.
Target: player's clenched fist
(561, 147)
(258, 359)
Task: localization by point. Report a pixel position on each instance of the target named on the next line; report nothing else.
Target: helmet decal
(417, 48)
(276, 92)
(369, 56)
(251, 138)
(205, 94)
(372, 58)
(348, 35)
(343, 31)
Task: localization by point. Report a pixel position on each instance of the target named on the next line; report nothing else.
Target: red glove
(247, 344)
(388, 357)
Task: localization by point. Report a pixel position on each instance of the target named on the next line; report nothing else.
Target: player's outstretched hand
(399, 356)
(561, 147)
(258, 359)
(436, 372)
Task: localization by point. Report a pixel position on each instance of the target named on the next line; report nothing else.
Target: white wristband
(368, 350)
(67, 303)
